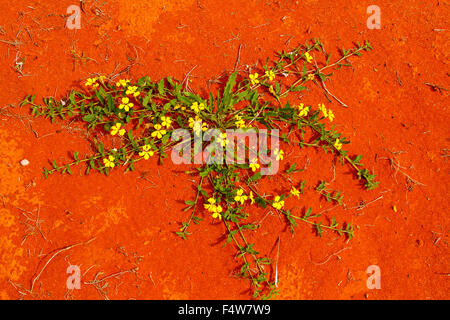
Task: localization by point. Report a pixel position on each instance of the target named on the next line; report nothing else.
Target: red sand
(391, 109)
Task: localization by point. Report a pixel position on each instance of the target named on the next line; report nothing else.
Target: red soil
(392, 109)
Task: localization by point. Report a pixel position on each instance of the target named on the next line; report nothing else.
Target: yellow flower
(210, 205)
(199, 127)
(252, 200)
(192, 121)
(278, 203)
(308, 57)
(218, 209)
(197, 107)
(115, 129)
(109, 162)
(254, 78)
(303, 111)
(146, 152)
(295, 192)
(311, 76)
(240, 196)
(270, 74)
(215, 209)
(101, 78)
(223, 139)
(159, 132)
(91, 82)
(279, 154)
(272, 90)
(239, 122)
(204, 127)
(132, 90)
(337, 144)
(122, 83)
(323, 109)
(216, 215)
(330, 115)
(254, 165)
(126, 104)
(217, 212)
(166, 122)
(180, 107)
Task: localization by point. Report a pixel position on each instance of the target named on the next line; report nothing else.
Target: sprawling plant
(144, 115)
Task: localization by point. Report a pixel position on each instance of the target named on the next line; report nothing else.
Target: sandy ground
(395, 112)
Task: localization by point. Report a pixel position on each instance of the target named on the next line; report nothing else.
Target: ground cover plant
(143, 115)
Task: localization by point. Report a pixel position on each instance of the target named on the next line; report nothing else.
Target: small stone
(24, 162)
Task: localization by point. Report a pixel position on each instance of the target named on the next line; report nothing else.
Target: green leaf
(261, 202)
(307, 213)
(319, 229)
(255, 177)
(181, 235)
(165, 138)
(146, 99)
(204, 173)
(143, 81)
(131, 138)
(291, 168)
(89, 118)
(304, 70)
(161, 87)
(72, 99)
(100, 95)
(321, 186)
(297, 88)
(75, 156)
(110, 102)
(227, 93)
(55, 166)
(45, 172)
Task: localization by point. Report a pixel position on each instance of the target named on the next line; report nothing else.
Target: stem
(295, 217)
(195, 206)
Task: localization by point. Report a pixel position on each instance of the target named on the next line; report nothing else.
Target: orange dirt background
(133, 220)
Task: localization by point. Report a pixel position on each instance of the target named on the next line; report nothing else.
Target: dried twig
(186, 78)
(330, 256)
(276, 264)
(238, 58)
(325, 87)
(33, 281)
(364, 204)
(395, 165)
(33, 224)
(101, 288)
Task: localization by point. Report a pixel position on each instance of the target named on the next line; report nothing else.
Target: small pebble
(24, 162)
